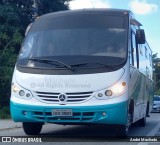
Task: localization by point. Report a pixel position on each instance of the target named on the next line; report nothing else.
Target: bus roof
(88, 11)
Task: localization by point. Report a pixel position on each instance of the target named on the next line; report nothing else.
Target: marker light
(124, 84)
(24, 112)
(104, 114)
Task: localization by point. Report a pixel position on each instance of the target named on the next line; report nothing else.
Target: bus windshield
(100, 38)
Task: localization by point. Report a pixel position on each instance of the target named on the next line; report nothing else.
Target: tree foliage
(10, 40)
(156, 65)
(15, 15)
(48, 6)
(156, 60)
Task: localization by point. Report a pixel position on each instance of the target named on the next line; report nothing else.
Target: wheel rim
(128, 123)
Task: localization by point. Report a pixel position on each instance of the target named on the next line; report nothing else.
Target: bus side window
(134, 49)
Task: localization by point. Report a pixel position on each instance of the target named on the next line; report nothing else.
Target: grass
(5, 113)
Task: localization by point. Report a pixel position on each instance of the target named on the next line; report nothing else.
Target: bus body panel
(103, 114)
(111, 106)
(68, 83)
(137, 92)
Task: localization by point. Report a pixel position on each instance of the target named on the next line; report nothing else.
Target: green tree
(156, 60)
(156, 65)
(48, 6)
(15, 15)
(10, 39)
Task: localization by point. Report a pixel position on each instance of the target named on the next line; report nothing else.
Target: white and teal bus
(86, 67)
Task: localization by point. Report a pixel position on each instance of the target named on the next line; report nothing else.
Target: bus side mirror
(140, 36)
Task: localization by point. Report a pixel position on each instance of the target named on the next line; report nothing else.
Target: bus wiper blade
(48, 61)
(86, 63)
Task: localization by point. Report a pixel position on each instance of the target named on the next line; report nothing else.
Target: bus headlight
(113, 91)
(117, 89)
(15, 89)
(20, 92)
(108, 93)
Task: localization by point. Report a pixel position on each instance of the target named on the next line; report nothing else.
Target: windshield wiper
(86, 63)
(48, 61)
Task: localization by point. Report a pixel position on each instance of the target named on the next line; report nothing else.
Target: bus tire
(31, 128)
(142, 122)
(147, 112)
(123, 131)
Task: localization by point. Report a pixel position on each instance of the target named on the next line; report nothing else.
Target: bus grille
(77, 117)
(71, 97)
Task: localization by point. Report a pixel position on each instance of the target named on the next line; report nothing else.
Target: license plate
(62, 112)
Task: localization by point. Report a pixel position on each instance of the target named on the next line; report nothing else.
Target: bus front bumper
(106, 114)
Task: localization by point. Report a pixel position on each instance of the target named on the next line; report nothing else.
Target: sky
(147, 12)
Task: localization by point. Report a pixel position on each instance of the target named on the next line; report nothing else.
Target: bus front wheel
(31, 128)
(123, 130)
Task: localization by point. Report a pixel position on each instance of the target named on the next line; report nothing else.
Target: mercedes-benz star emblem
(62, 97)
